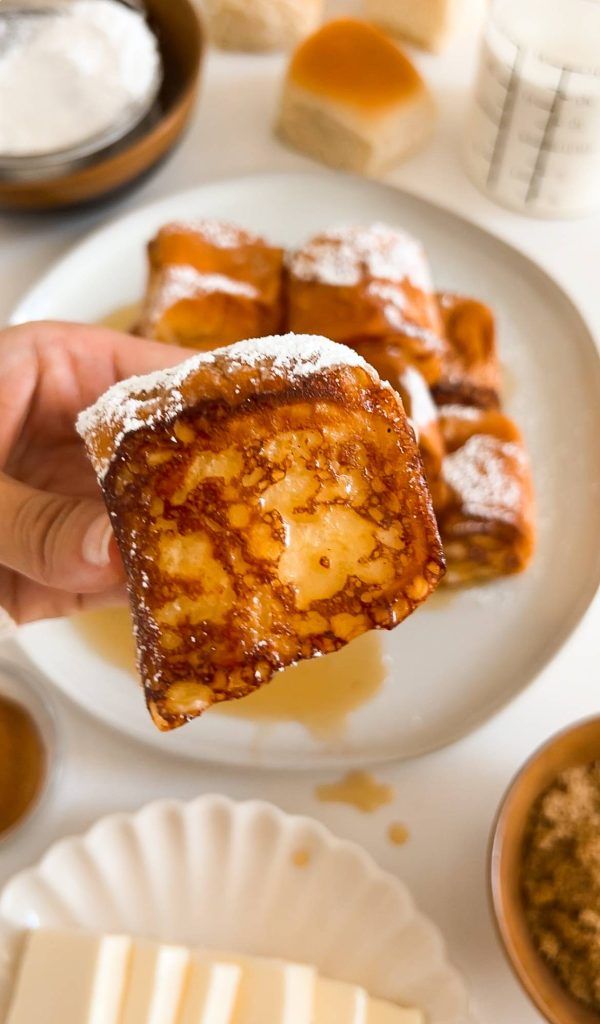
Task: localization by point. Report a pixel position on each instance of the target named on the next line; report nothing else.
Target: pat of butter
(270, 990)
(380, 1012)
(155, 985)
(210, 993)
(339, 1002)
(70, 978)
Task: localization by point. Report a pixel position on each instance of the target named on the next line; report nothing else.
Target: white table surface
(447, 799)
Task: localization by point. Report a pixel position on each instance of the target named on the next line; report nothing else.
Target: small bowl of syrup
(28, 747)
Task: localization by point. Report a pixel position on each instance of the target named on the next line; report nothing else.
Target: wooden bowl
(181, 40)
(578, 744)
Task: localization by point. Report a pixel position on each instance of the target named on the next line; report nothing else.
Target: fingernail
(96, 542)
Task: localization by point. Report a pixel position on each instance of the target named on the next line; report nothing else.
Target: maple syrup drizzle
(320, 693)
(23, 763)
(124, 318)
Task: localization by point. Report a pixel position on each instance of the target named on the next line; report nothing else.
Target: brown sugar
(561, 879)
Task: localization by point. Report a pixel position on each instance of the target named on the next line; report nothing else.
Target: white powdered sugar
(394, 302)
(73, 73)
(478, 473)
(344, 256)
(132, 404)
(181, 281)
(219, 233)
(460, 412)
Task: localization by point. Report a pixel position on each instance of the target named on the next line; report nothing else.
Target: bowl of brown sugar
(545, 875)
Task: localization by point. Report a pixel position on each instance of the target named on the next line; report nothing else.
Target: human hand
(57, 550)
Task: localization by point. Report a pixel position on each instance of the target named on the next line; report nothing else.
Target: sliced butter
(339, 1002)
(270, 991)
(210, 993)
(155, 985)
(70, 978)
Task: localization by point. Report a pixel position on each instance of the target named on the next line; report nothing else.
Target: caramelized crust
(485, 512)
(204, 311)
(471, 369)
(269, 504)
(357, 285)
(353, 63)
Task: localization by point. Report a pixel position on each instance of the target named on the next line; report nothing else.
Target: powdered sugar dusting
(394, 302)
(480, 473)
(180, 281)
(460, 412)
(344, 256)
(219, 233)
(143, 401)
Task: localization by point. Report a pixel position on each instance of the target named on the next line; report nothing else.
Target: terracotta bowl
(181, 41)
(578, 744)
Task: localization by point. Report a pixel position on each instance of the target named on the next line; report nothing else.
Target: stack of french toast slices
(273, 499)
(212, 283)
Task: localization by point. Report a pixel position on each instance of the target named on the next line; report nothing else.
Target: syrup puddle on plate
(124, 318)
(319, 694)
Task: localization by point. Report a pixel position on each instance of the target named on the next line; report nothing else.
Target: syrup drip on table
(319, 694)
(398, 833)
(22, 763)
(359, 789)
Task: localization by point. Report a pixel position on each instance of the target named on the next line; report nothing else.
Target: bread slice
(261, 25)
(429, 23)
(269, 504)
(353, 100)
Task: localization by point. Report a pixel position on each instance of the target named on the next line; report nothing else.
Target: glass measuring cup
(533, 138)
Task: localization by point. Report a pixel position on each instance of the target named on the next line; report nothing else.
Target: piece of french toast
(471, 372)
(486, 510)
(363, 284)
(211, 283)
(269, 504)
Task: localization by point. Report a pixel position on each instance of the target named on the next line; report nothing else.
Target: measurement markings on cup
(545, 146)
(503, 124)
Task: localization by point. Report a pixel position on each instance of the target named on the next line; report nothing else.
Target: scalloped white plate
(457, 660)
(221, 874)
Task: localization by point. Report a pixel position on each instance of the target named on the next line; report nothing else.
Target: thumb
(62, 542)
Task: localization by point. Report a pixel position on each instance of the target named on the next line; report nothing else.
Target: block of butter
(70, 978)
(429, 23)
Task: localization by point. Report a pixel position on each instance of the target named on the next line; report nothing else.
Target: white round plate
(223, 875)
(459, 658)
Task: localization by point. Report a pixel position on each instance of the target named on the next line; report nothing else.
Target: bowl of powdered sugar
(92, 92)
